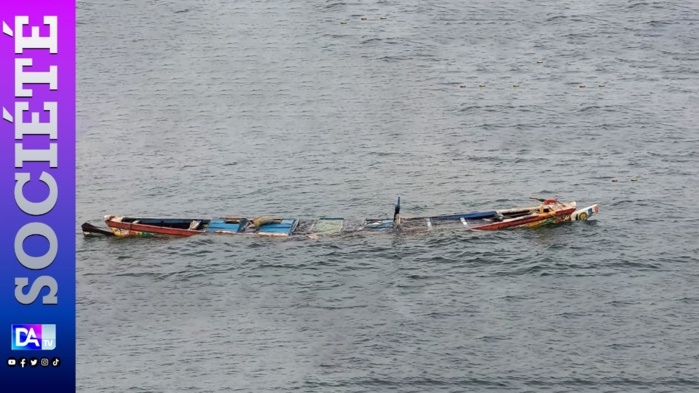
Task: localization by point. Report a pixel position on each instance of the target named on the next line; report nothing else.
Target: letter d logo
(26, 337)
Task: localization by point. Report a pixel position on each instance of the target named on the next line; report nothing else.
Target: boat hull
(526, 217)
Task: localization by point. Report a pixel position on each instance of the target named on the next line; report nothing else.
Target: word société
(24, 78)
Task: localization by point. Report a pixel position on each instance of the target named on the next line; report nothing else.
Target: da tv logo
(33, 337)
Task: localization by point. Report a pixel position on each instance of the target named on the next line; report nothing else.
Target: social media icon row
(33, 362)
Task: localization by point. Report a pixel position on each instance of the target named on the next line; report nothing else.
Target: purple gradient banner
(37, 196)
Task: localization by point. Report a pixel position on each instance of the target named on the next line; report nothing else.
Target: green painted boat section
(328, 226)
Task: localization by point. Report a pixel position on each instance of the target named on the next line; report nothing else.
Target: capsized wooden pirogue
(550, 211)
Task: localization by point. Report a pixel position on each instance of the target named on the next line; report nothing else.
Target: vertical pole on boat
(396, 214)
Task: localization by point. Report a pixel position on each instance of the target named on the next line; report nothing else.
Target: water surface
(245, 108)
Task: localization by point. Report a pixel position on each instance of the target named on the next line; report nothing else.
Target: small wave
(371, 41)
(334, 307)
(137, 274)
(407, 383)
(636, 5)
(557, 18)
(335, 5)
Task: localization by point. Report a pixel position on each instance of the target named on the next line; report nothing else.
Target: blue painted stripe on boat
(221, 225)
(285, 226)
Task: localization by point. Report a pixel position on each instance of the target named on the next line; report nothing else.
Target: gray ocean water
(208, 108)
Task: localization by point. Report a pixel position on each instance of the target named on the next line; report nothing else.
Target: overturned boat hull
(547, 213)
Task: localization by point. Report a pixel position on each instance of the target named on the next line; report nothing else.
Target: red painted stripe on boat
(528, 220)
(152, 229)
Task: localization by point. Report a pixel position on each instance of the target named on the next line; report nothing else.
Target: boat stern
(585, 213)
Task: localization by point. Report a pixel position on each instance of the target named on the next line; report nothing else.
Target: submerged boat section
(550, 211)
